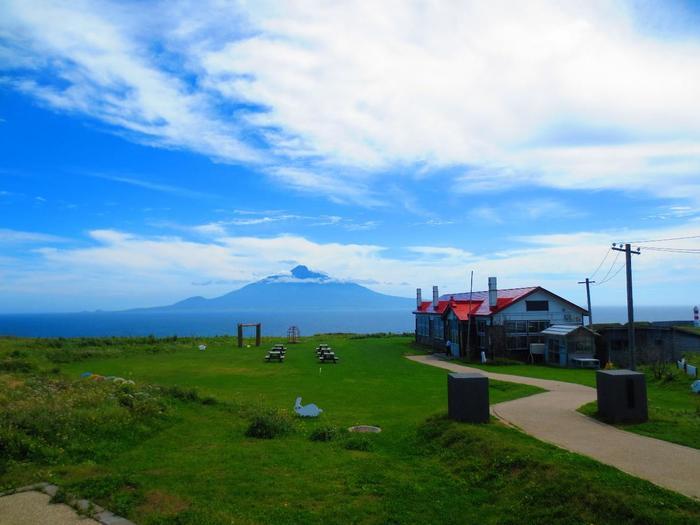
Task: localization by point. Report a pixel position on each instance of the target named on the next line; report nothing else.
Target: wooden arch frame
(257, 333)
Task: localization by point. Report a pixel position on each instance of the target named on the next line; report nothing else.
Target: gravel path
(33, 508)
(551, 416)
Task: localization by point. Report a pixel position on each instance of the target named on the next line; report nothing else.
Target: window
(537, 306)
(534, 327)
(516, 327)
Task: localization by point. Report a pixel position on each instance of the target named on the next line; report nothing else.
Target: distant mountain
(300, 289)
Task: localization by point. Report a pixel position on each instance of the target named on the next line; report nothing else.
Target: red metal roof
(459, 302)
(464, 309)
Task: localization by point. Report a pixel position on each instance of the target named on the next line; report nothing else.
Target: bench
(327, 357)
(273, 355)
(585, 362)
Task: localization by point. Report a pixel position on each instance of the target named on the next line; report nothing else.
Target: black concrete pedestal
(468, 397)
(622, 396)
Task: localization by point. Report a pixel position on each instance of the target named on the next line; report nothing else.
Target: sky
(152, 151)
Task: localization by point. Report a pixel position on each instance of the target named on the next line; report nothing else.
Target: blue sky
(152, 151)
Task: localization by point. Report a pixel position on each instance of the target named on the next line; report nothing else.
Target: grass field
(172, 455)
(674, 411)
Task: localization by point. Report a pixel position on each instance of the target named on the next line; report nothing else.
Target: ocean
(97, 324)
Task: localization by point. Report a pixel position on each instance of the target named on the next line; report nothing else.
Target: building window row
(525, 327)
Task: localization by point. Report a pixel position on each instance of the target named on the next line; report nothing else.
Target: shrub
(17, 365)
(376, 335)
(359, 442)
(269, 424)
(324, 433)
(183, 394)
(51, 421)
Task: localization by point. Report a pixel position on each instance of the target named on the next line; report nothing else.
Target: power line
(601, 264)
(611, 267)
(672, 250)
(613, 275)
(670, 239)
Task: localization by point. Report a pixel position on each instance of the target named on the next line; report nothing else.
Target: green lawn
(193, 464)
(674, 411)
(570, 375)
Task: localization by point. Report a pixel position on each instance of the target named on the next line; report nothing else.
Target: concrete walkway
(33, 508)
(551, 416)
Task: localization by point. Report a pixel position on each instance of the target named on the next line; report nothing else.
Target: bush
(17, 365)
(376, 335)
(188, 395)
(324, 433)
(183, 394)
(359, 442)
(51, 421)
(269, 424)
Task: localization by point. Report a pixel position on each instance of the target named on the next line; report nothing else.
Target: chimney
(696, 317)
(493, 292)
(419, 298)
(435, 296)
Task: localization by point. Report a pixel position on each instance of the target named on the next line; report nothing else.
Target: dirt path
(33, 508)
(551, 416)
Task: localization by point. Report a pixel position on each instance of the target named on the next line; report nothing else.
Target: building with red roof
(501, 323)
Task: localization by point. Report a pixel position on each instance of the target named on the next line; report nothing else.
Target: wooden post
(240, 335)
(257, 334)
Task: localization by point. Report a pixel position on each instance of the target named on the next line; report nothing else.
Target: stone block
(622, 396)
(468, 397)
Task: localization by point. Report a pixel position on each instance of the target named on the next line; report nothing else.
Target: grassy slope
(370, 385)
(201, 469)
(674, 411)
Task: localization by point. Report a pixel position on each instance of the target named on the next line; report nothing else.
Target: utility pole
(630, 306)
(588, 283)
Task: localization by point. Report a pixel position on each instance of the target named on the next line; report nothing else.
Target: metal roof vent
(493, 292)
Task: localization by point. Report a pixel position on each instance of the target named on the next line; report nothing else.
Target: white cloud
(345, 91)
(435, 252)
(106, 71)
(119, 269)
(8, 236)
(474, 83)
(149, 185)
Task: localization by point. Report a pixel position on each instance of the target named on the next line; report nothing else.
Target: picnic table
(275, 355)
(323, 350)
(327, 357)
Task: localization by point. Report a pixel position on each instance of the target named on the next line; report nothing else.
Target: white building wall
(559, 311)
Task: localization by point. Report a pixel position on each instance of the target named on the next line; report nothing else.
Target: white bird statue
(309, 410)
